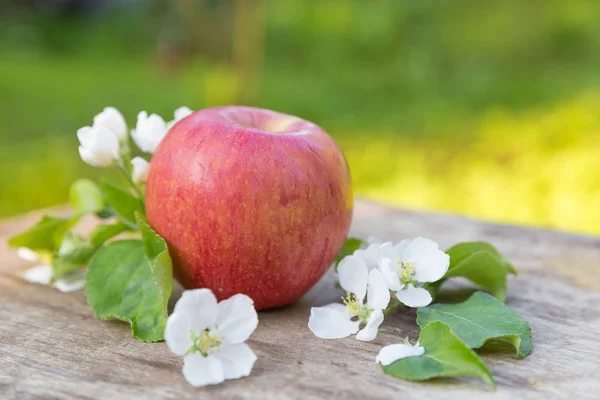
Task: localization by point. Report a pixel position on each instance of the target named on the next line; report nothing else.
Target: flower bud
(149, 132)
(179, 114)
(99, 146)
(112, 119)
(140, 170)
(182, 112)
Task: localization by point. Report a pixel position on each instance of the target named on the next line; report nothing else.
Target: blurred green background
(488, 109)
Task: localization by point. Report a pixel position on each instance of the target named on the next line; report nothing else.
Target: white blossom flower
(394, 352)
(149, 131)
(112, 119)
(210, 336)
(42, 273)
(335, 321)
(99, 146)
(179, 114)
(409, 264)
(370, 253)
(140, 171)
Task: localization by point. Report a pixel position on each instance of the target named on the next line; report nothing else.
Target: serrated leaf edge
(154, 260)
(519, 354)
(132, 324)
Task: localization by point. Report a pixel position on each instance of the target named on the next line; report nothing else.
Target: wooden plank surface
(51, 346)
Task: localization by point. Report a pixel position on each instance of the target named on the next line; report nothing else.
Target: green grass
(374, 74)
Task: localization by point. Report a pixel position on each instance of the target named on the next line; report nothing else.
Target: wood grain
(51, 346)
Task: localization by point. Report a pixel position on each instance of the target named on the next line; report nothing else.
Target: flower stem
(396, 304)
(127, 175)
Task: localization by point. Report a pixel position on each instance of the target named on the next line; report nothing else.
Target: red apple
(250, 201)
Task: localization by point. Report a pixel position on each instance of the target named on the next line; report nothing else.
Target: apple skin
(250, 201)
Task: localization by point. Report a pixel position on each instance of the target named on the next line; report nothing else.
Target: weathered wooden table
(51, 346)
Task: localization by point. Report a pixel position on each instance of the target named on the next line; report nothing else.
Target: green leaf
(350, 246)
(482, 264)
(63, 265)
(463, 250)
(131, 280)
(122, 203)
(445, 356)
(75, 251)
(433, 288)
(46, 234)
(106, 231)
(158, 254)
(85, 197)
(479, 319)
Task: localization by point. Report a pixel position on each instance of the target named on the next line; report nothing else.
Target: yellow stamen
(406, 271)
(204, 342)
(356, 308)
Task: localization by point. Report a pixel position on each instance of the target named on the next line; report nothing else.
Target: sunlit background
(484, 108)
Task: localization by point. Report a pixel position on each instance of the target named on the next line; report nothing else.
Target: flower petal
(200, 307)
(177, 333)
(106, 142)
(400, 248)
(112, 119)
(85, 137)
(237, 360)
(136, 138)
(237, 318)
(420, 244)
(369, 255)
(89, 158)
(156, 124)
(389, 275)
(182, 112)
(378, 294)
(353, 275)
(201, 371)
(149, 131)
(387, 250)
(99, 146)
(394, 352)
(141, 167)
(432, 266)
(414, 297)
(332, 322)
(41, 274)
(71, 282)
(369, 332)
(27, 254)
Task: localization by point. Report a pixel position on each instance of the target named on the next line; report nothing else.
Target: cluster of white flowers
(373, 273)
(102, 144)
(210, 336)
(105, 144)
